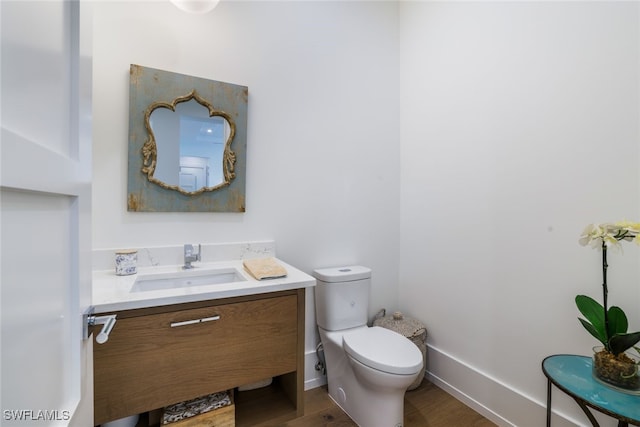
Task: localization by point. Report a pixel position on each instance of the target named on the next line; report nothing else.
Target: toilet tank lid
(342, 274)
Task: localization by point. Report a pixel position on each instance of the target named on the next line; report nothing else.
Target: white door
(188, 181)
(45, 201)
(194, 172)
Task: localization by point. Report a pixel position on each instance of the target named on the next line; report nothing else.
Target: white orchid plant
(608, 325)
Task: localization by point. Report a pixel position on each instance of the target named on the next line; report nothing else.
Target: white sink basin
(187, 278)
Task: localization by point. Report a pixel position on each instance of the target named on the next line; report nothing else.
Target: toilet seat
(384, 350)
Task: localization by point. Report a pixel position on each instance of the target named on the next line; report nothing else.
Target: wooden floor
(426, 406)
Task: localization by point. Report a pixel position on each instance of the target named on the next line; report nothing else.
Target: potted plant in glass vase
(613, 364)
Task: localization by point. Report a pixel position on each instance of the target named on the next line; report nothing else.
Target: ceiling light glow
(195, 6)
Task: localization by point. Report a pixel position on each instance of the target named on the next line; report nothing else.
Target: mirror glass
(197, 160)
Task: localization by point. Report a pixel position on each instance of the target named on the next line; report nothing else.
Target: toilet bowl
(368, 369)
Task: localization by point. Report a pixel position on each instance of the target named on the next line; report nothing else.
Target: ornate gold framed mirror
(187, 143)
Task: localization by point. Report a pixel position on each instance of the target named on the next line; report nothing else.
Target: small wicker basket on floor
(214, 410)
(412, 329)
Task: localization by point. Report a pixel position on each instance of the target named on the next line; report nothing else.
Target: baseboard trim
(468, 401)
(493, 399)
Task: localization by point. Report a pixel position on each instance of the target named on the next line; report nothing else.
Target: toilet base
(368, 404)
(390, 414)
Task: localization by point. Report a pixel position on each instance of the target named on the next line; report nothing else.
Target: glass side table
(572, 375)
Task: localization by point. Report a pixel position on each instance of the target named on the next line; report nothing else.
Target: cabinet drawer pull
(194, 321)
(186, 322)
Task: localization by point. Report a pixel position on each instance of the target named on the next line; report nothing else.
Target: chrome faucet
(191, 254)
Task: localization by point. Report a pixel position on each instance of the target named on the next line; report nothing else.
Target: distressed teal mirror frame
(151, 89)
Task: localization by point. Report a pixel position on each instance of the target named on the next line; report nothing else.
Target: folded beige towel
(264, 268)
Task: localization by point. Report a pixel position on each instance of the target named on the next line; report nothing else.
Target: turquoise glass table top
(573, 374)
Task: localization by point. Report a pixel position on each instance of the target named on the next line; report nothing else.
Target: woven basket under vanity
(213, 410)
(412, 329)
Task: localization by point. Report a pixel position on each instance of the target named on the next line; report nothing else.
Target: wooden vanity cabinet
(164, 355)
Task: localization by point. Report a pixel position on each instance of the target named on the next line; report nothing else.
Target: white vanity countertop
(113, 293)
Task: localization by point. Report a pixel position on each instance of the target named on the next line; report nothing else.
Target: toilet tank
(342, 297)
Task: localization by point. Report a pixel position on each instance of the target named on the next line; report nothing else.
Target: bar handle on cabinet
(195, 321)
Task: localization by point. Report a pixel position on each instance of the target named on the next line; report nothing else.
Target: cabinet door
(155, 360)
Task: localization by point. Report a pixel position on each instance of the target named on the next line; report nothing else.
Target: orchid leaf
(594, 313)
(621, 342)
(593, 331)
(618, 323)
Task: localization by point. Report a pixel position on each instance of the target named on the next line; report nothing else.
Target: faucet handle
(192, 251)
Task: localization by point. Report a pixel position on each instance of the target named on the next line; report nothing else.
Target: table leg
(548, 403)
(587, 412)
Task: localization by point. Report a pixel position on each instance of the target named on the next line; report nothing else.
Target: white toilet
(368, 369)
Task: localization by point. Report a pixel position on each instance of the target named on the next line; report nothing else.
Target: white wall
(323, 133)
(520, 125)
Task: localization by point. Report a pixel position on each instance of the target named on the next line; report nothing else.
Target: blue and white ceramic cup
(126, 262)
